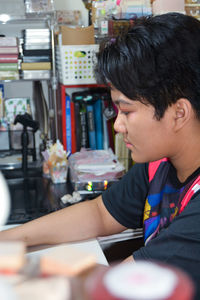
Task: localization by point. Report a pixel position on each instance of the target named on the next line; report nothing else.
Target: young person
(154, 74)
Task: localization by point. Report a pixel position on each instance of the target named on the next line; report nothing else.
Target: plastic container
(94, 170)
(75, 63)
(58, 172)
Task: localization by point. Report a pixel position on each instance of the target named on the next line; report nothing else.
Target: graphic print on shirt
(164, 201)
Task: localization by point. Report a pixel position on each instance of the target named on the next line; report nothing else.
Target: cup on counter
(58, 172)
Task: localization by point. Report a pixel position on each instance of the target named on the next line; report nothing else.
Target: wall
(163, 6)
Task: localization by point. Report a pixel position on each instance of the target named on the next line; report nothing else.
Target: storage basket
(75, 63)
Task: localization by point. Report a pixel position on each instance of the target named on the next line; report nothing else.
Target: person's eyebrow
(121, 101)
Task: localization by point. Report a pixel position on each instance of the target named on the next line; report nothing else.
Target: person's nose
(119, 125)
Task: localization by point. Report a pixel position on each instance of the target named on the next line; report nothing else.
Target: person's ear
(182, 113)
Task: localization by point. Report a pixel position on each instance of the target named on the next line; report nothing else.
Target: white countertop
(91, 246)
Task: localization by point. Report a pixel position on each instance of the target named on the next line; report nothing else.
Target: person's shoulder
(138, 172)
(139, 167)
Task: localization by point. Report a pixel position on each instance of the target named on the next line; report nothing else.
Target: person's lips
(128, 144)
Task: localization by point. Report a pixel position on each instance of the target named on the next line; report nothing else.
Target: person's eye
(125, 113)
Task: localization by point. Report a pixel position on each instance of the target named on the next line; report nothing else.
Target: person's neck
(184, 172)
(187, 159)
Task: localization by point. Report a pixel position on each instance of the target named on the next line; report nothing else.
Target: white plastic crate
(75, 63)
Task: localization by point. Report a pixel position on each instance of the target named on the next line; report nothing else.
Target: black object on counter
(27, 121)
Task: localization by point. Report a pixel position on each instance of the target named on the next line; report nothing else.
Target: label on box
(104, 27)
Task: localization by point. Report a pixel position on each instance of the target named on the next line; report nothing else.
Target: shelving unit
(14, 27)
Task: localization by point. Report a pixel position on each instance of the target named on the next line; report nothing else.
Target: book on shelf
(8, 66)
(9, 50)
(32, 59)
(9, 75)
(36, 74)
(8, 41)
(39, 46)
(35, 32)
(37, 40)
(36, 66)
(8, 58)
(36, 52)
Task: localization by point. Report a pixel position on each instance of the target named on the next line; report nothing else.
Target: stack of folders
(9, 52)
(36, 61)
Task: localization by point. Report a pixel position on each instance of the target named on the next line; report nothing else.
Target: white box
(75, 63)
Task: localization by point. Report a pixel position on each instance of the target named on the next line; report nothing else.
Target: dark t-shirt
(177, 238)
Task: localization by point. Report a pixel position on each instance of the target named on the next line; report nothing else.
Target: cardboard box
(192, 1)
(78, 35)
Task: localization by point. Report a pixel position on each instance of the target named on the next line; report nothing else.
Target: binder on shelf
(77, 98)
(68, 124)
(83, 122)
(111, 132)
(73, 127)
(100, 97)
(63, 115)
(106, 144)
(91, 126)
(77, 126)
(98, 124)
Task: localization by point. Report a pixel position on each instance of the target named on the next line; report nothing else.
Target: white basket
(75, 63)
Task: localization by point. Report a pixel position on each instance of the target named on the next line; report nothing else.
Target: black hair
(156, 61)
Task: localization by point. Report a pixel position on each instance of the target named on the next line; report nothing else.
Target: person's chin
(133, 156)
(136, 158)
